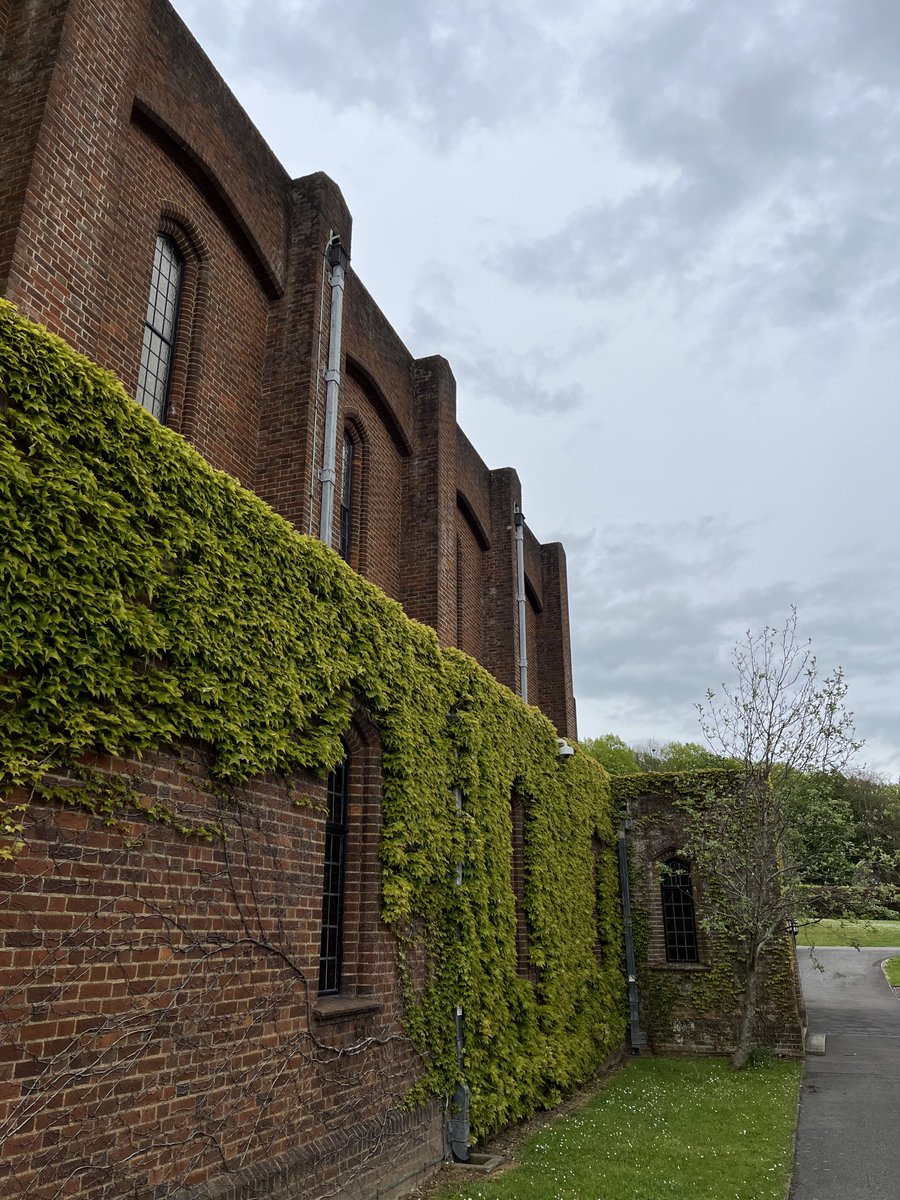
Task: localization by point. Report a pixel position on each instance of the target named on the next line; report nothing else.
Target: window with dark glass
(331, 949)
(679, 922)
(346, 497)
(159, 327)
(518, 880)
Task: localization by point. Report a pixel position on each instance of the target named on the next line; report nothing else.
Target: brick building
(145, 221)
(689, 981)
(129, 172)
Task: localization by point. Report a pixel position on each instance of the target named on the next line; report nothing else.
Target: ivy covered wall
(695, 1006)
(147, 599)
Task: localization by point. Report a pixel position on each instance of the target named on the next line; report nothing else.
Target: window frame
(365, 942)
(334, 880)
(161, 325)
(681, 939)
(346, 513)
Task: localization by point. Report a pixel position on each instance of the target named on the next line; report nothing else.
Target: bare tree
(781, 721)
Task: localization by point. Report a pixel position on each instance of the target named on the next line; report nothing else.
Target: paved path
(848, 1139)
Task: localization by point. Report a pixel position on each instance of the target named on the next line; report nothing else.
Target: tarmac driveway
(848, 1139)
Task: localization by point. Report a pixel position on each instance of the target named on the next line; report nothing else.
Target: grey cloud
(773, 151)
(871, 29)
(444, 67)
(520, 384)
(656, 610)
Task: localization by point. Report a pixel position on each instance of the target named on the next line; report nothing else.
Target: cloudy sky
(659, 243)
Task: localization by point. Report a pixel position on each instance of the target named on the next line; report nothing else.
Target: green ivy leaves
(146, 598)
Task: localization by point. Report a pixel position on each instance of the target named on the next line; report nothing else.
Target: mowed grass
(892, 970)
(850, 933)
(663, 1129)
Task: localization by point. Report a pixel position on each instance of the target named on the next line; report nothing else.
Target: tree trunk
(748, 1016)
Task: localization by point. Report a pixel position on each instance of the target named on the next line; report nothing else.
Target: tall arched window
(331, 950)
(159, 327)
(346, 535)
(679, 921)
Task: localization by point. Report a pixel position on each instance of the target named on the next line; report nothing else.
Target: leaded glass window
(335, 867)
(679, 922)
(159, 327)
(346, 497)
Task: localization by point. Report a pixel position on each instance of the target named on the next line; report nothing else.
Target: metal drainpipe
(520, 569)
(458, 1121)
(338, 260)
(313, 476)
(637, 1037)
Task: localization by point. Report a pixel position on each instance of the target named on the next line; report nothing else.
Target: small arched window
(159, 327)
(346, 535)
(331, 950)
(679, 921)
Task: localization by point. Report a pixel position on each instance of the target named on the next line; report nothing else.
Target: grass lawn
(892, 970)
(662, 1129)
(850, 933)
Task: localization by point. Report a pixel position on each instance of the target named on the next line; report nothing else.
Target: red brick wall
(469, 589)
(293, 388)
(117, 127)
(83, 54)
(557, 699)
(215, 395)
(29, 49)
(378, 492)
(159, 1026)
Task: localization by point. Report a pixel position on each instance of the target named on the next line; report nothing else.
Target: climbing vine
(148, 599)
(704, 997)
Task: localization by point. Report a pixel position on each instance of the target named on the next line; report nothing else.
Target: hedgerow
(147, 599)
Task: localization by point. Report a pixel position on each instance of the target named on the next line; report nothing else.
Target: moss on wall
(692, 1006)
(148, 598)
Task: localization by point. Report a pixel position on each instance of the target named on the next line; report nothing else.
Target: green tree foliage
(653, 755)
(875, 805)
(612, 753)
(146, 599)
(822, 830)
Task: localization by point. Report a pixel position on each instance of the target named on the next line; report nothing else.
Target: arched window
(159, 327)
(331, 950)
(346, 534)
(679, 922)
